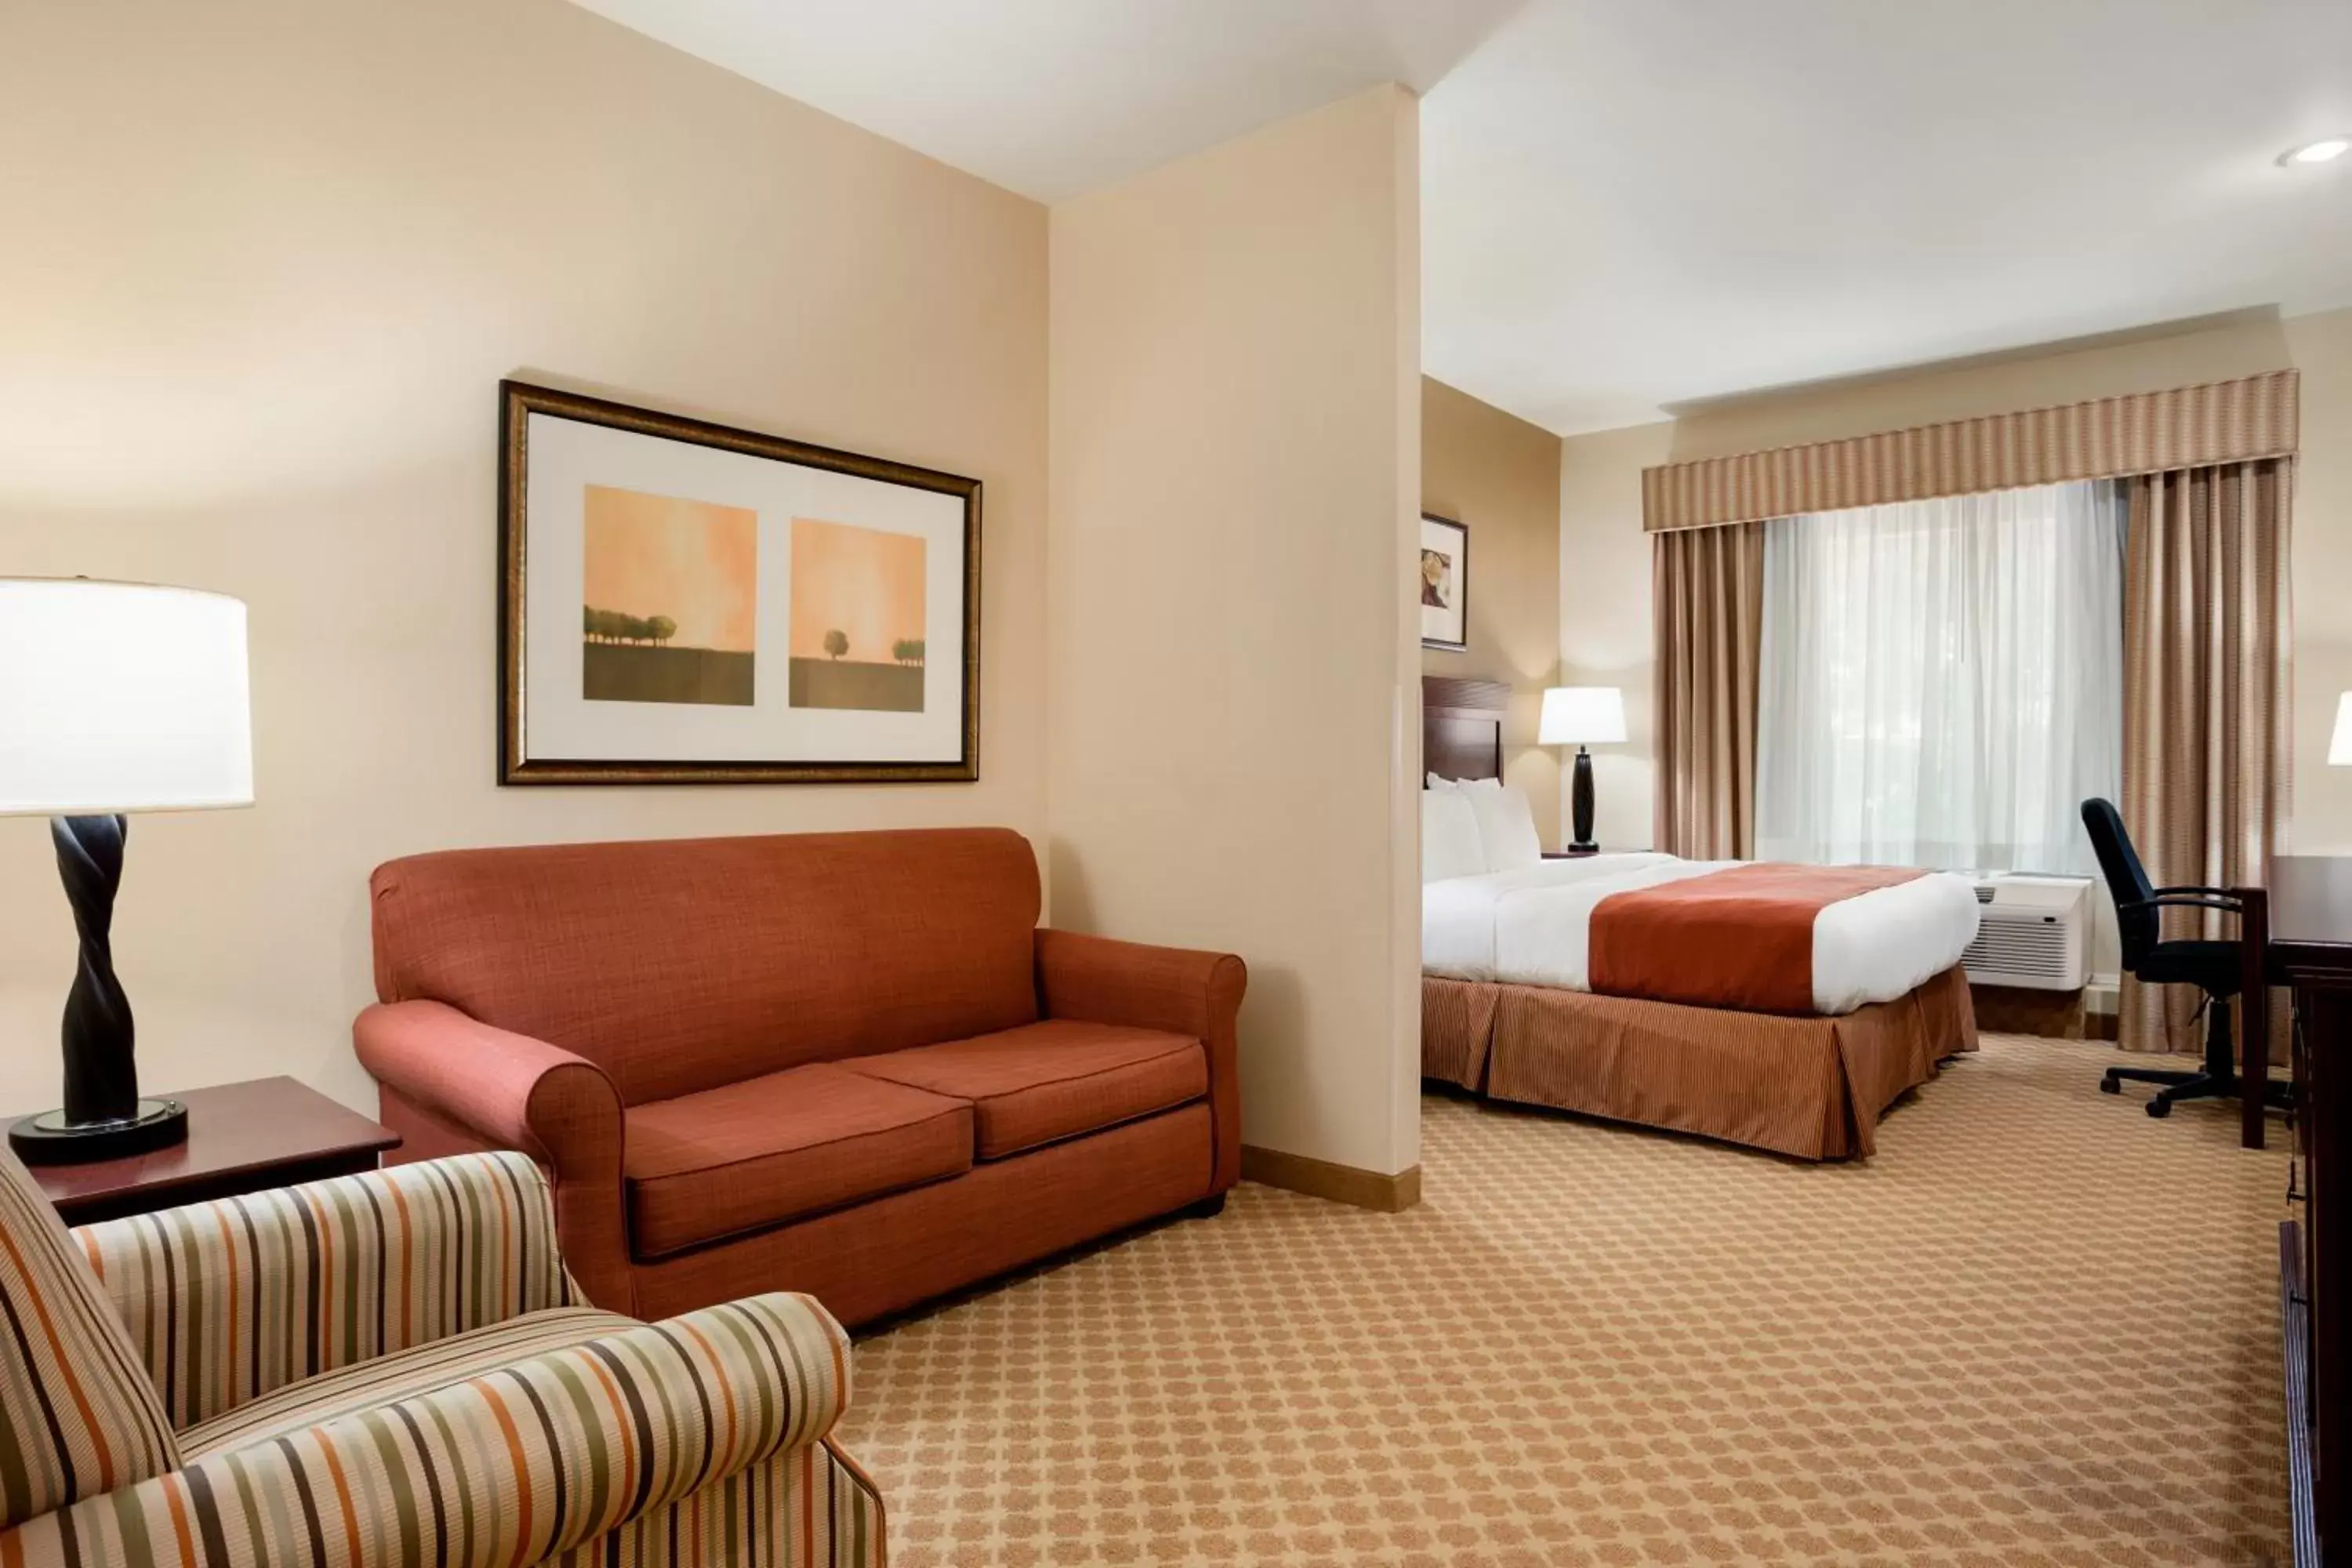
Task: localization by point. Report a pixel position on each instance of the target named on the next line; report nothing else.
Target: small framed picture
(686, 603)
(1444, 583)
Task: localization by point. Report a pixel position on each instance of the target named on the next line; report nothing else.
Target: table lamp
(2339, 744)
(118, 697)
(1582, 716)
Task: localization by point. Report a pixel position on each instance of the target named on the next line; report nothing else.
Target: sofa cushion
(385, 1379)
(780, 1146)
(678, 965)
(1051, 1080)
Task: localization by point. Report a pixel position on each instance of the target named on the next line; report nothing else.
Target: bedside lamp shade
(121, 696)
(2340, 745)
(1581, 715)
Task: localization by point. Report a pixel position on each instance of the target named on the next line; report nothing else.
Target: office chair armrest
(2181, 899)
(2195, 887)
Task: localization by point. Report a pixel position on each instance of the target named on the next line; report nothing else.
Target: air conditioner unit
(2032, 931)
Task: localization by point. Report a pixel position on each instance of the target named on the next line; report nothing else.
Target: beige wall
(1605, 576)
(1604, 614)
(1500, 475)
(1232, 644)
(265, 262)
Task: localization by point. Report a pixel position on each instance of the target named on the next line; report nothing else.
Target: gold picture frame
(738, 686)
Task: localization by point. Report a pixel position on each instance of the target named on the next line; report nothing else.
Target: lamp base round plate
(50, 1139)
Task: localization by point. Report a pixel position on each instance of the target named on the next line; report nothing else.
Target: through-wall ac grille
(2032, 945)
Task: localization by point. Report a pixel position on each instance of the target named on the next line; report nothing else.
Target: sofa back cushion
(78, 1414)
(680, 965)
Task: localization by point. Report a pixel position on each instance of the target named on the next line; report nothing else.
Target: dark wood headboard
(1462, 727)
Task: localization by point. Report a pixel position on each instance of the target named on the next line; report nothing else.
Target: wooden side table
(242, 1138)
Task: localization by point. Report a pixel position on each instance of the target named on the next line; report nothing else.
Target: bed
(1631, 986)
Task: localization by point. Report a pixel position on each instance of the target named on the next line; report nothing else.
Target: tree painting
(857, 617)
(613, 627)
(669, 592)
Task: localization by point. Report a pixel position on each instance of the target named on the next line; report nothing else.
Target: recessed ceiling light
(2324, 151)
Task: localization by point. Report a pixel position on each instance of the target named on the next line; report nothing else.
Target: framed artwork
(1444, 583)
(685, 603)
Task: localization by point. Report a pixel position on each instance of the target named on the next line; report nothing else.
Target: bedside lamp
(1582, 716)
(119, 698)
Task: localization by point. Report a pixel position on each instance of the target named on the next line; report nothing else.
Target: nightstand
(242, 1138)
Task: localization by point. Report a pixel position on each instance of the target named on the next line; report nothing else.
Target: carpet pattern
(2037, 1328)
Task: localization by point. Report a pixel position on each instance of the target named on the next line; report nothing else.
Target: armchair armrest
(505, 1090)
(517, 1465)
(229, 1299)
(1179, 990)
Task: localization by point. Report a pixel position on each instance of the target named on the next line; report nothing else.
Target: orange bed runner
(1741, 937)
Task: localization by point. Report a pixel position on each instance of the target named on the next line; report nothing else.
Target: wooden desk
(2311, 949)
(242, 1138)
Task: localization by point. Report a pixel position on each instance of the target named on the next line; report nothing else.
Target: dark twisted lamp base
(1580, 805)
(103, 1118)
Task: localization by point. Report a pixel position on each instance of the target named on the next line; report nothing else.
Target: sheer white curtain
(1942, 680)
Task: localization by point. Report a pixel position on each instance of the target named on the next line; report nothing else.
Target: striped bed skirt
(1810, 1087)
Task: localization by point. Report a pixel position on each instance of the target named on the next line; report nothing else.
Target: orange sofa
(849, 1064)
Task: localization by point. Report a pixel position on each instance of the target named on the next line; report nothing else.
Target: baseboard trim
(1323, 1179)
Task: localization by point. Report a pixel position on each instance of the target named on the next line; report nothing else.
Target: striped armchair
(395, 1369)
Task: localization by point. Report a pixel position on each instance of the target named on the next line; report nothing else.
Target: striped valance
(2191, 426)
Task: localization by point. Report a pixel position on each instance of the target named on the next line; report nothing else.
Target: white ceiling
(1629, 205)
(1053, 98)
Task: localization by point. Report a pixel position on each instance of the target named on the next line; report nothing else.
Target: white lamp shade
(121, 696)
(1582, 715)
(2340, 745)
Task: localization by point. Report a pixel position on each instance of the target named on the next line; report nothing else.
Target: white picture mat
(566, 456)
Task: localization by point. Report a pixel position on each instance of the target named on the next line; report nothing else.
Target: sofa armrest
(511, 1091)
(1181, 990)
(513, 1467)
(229, 1299)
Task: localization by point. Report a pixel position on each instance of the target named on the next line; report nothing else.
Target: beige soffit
(2188, 427)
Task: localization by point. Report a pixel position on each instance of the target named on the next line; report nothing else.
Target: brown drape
(1707, 593)
(2208, 626)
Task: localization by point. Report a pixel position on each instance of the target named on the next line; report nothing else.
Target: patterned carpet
(2038, 1327)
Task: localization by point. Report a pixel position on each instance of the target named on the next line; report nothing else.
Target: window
(1942, 680)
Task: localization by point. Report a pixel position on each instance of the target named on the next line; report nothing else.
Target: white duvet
(1530, 927)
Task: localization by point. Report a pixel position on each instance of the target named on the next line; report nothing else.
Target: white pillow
(1449, 836)
(1506, 826)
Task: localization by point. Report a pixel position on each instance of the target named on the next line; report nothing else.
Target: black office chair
(2216, 968)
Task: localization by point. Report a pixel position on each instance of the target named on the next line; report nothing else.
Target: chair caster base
(2159, 1108)
(2109, 1085)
